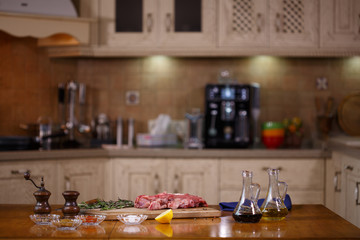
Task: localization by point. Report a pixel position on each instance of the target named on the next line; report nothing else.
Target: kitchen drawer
(305, 177)
(15, 189)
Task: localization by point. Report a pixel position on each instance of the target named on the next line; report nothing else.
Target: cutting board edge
(202, 212)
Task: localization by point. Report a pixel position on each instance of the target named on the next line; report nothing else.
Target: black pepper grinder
(70, 208)
(42, 196)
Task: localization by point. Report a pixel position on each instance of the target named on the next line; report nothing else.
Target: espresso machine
(228, 118)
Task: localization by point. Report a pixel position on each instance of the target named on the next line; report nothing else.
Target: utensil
(91, 220)
(43, 219)
(247, 209)
(319, 106)
(66, 224)
(273, 207)
(130, 219)
(349, 114)
(329, 108)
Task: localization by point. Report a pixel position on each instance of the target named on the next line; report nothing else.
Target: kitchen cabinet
(134, 177)
(129, 178)
(199, 177)
(16, 190)
(155, 24)
(350, 197)
(340, 24)
(259, 23)
(333, 183)
(84, 176)
(305, 178)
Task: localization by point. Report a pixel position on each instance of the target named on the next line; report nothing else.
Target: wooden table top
(303, 222)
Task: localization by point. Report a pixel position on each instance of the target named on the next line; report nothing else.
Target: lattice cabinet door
(294, 23)
(340, 23)
(243, 23)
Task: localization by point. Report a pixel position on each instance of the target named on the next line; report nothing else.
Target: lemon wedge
(165, 217)
(165, 229)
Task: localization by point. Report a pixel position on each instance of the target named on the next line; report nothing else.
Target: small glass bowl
(91, 220)
(66, 224)
(132, 219)
(44, 219)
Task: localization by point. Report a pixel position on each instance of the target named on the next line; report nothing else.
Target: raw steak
(168, 200)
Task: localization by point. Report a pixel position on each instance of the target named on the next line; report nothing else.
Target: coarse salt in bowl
(132, 219)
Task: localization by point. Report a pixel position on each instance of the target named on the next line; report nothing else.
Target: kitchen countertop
(303, 222)
(163, 153)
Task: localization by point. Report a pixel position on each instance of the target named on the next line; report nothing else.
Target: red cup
(273, 142)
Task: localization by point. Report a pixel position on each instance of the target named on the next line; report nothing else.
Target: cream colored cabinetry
(259, 23)
(243, 23)
(157, 27)
(15, 189)
(350, 196)
(194, 176)
(333, 183)
(305, 178)
(84, 176)
(130, 178)
(340, 24)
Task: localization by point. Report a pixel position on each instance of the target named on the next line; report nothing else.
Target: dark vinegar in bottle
(247, 218)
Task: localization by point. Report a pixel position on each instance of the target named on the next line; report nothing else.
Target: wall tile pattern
(29, 79)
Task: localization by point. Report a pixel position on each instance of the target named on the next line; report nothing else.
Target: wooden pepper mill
(70, 208)
(42, 196)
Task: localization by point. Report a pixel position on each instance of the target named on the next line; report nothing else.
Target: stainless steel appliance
(228, 119)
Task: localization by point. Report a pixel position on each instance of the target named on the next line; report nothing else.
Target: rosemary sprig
(106, 205)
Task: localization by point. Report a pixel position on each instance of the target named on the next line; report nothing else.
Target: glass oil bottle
(273, 207)
(247, 209)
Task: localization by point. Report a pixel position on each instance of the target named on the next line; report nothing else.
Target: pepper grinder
(42, 196)
(70, 208)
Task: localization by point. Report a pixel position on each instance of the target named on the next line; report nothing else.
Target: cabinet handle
(149, 22)
(176, 183)
(336, 181)
(67, 183)
(278, 22)
(20, 171)
(156, 184)
(359, 25)
(168, 22)
(259, 22)
(266, 168)
(357, 193)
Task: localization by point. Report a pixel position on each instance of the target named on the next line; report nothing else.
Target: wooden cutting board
(178, 213)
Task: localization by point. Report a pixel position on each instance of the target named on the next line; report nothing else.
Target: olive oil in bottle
(274, 214)
(273, 207)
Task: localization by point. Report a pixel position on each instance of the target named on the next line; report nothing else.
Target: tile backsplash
(29, 79)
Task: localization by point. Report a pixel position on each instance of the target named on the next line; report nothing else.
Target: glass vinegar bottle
(273, 207)
(247, 209)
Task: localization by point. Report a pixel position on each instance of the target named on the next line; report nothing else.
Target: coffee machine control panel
(227, 116)
(227, 92)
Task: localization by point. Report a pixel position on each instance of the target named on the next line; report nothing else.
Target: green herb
(106, 205)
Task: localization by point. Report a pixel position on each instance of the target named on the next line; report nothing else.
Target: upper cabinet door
(128, 23)
(340, 23)
(243, 23)
(294, 23)
(187, 23)
(157, 23)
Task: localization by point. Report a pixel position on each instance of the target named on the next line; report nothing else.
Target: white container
(148, 140)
